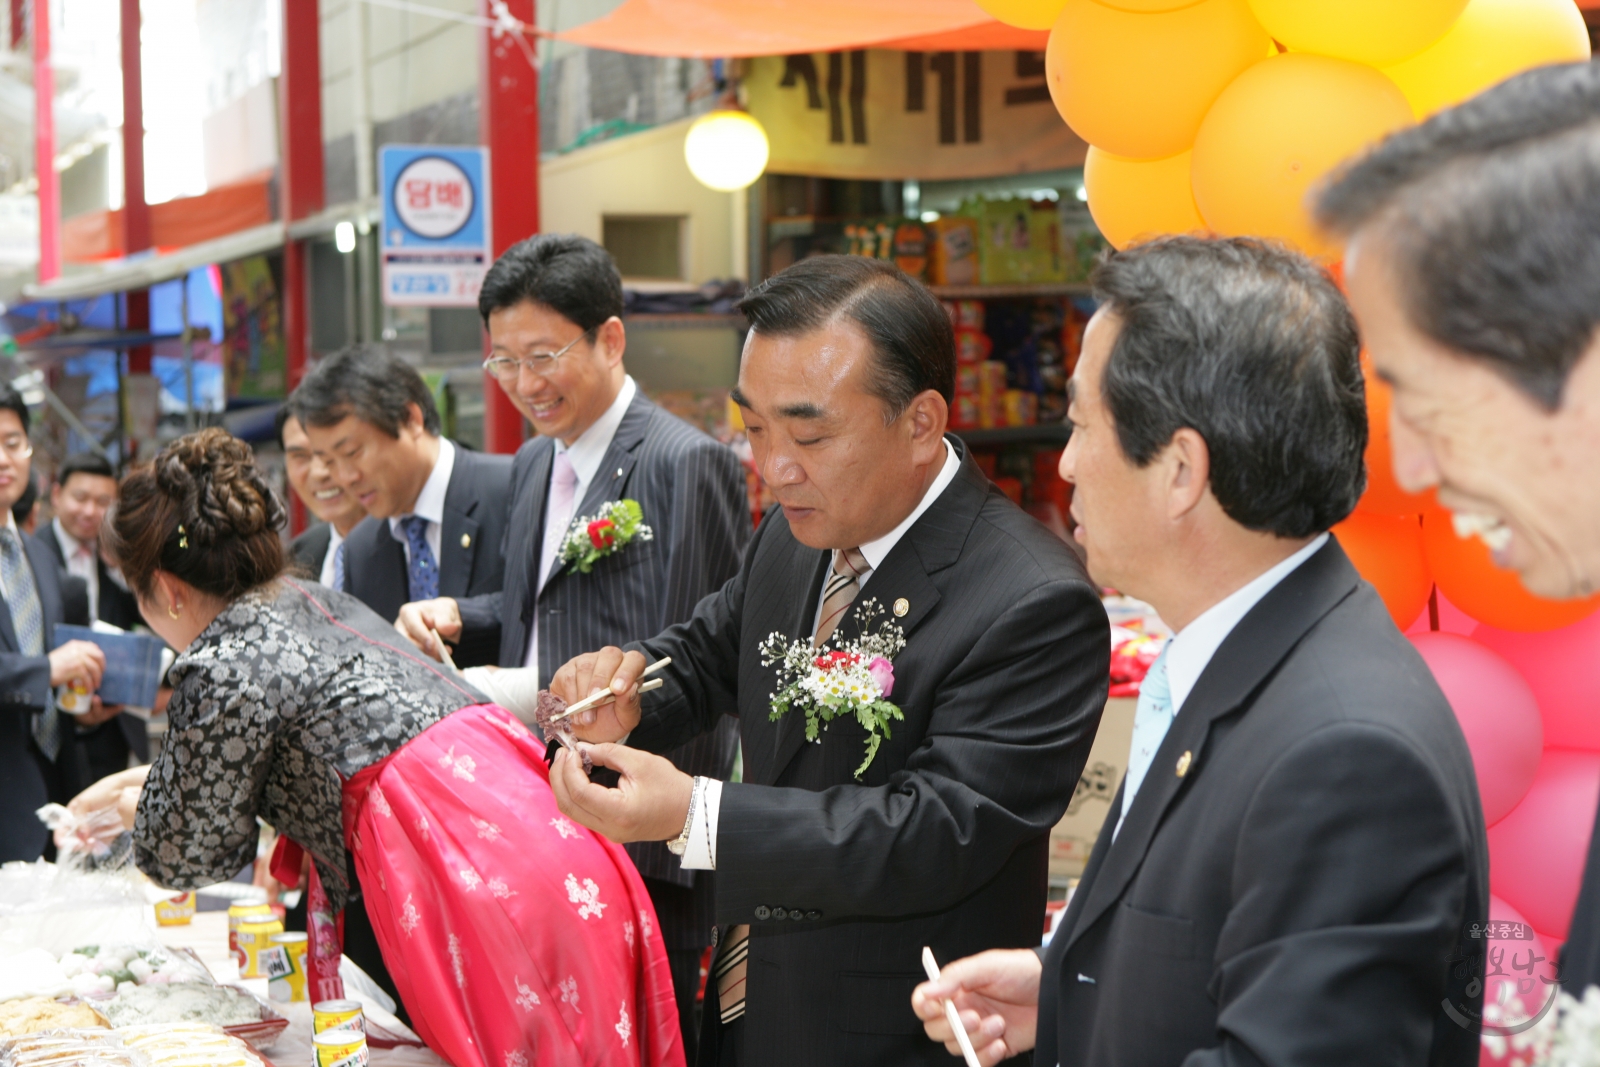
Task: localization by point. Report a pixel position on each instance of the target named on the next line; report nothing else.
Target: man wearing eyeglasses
(552, 305)
(33, 732)
(436, 511)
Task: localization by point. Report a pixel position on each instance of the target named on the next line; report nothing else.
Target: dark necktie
(422, 571)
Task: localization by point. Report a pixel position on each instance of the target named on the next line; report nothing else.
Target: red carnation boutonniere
(591, 539)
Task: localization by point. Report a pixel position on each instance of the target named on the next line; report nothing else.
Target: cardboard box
(953, 251)
(1074, 836)
(1019, 241)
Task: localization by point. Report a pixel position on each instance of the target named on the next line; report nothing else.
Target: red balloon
(1536, 854)
(1388, 553)
(1497, 712)
(1563, 669)
(1524, 960)
(1466, 573)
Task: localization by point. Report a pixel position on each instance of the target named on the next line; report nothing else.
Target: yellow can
(255, 936)
(175, 912)
(340, 1048)
(240, 913)
(284, 964)
(337, 1015)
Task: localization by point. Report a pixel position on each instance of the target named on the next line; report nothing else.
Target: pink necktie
(557, 512)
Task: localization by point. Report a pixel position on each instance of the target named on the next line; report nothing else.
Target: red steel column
(44, 145)
(135, 212)
(300, 180)
(509, 124)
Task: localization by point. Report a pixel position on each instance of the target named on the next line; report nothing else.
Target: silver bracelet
(678, 844)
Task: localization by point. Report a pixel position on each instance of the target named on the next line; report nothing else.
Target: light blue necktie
(27, 618)
(338, 565)
(1152, 718)
(422, 570)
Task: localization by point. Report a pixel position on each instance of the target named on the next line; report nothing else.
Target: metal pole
(509, 125)
(44, 145)
(366, 185)
(188, 362)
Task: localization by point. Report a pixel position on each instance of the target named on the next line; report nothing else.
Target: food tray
(258, 1035)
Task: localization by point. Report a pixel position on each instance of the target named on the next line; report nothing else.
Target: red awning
(708, 29)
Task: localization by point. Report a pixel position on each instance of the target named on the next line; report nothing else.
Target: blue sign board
(436, 219)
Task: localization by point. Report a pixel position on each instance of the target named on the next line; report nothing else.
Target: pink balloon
(1563, 668)
(1519, 979)
(1536, 854)
(1497, 713)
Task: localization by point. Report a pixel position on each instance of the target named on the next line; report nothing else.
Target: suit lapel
(610, 479)
(933, 543)
(1242, 663)
(458, 532)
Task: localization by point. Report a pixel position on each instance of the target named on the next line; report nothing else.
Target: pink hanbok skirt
(515, 936)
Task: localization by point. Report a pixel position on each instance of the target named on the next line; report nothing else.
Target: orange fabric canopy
(97, 235)
(709, 29)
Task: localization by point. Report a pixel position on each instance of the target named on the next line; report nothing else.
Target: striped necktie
(338, 566)
(850, 568)
(27, 619)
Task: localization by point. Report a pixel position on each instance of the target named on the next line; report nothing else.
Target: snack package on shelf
(991, 394)
(953, 251)
(1019, 241)
(1020, 408)
(911, 248)
(972, 346)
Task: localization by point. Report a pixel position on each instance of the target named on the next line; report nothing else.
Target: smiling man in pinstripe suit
(552, 305)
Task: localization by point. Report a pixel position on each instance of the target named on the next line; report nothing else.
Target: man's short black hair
(1490, 212)
(24, 505)
(909, 331)
(84, 463)
(367, 381)
(570, 275)
(11, 400)
(281, 419)
(1253, 347)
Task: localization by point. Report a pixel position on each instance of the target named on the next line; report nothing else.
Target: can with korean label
(242, 913)
(283, 961)
(255, 936)
(337, 1015)
(340, 1048)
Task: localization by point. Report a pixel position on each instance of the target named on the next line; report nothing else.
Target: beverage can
(175, 912)
(283, 961)
(255, 935)
(337, 1015)
(239, 913)
(340, 1048)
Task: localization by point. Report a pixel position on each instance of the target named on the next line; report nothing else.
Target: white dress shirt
(335, 539)
(429, 505)
(585, 453)
(82, 561)
(700, 853)
(1191, 648)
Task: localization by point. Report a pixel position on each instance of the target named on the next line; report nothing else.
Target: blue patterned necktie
(27, 618)
(422, 571)
(338, 565)
(1152, 718)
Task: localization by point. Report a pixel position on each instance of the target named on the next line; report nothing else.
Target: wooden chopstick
(607, 695)
(953, 1017)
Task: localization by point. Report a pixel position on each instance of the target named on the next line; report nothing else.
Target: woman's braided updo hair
(203, 511)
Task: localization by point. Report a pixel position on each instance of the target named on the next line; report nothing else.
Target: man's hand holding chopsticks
(997, 995)
(423, 622)
(608, 669)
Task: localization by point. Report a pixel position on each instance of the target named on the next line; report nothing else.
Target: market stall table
(207, 937)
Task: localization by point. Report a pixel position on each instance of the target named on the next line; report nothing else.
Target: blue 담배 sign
(435, 240)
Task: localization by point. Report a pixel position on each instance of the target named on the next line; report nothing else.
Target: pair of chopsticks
(607, 695)
(951, 1016)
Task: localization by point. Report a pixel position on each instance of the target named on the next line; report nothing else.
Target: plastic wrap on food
(32, 1015)
(185, 1002)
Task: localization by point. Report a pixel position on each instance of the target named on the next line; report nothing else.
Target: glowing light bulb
(344, 237)
(726, 150)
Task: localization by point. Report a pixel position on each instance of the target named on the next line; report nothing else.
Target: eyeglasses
(17, 445)
(507, 368)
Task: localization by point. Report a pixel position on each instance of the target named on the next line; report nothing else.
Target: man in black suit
(1473, 263)
(85, 489)
(436, 512)
(1297, 851)
(832, 874)
(316, 551)
(33, 734)
(601, 440)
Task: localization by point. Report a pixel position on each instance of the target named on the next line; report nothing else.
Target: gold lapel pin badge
(1183, 763)
(902, 606)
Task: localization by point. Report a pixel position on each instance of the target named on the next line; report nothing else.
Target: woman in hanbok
(514, 935)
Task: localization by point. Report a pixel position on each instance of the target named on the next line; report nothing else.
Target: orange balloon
(1467, 575)
(1384, 495)
(1276, 131)
(1149, 6)
(1366, 31)
(1138, 84)
(1387, 551)
(1491, 41)
(1131, 198)
(1026, 14)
